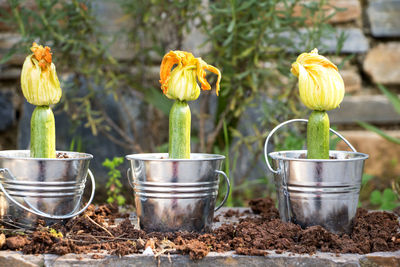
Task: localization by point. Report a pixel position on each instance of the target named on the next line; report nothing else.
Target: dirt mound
(96, 231)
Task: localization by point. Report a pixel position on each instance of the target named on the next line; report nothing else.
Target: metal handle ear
(227, 191)
(39, 213)
(128, 172)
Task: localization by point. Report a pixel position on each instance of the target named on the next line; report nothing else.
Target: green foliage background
(252, 42)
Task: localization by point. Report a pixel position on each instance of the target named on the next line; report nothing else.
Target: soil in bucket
(103, 230)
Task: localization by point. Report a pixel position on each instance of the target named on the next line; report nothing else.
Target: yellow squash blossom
(181, 83)
(39, 81)
(320, 84)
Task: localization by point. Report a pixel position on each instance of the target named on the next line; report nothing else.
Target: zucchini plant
(41, 88)
(321, 89)
(180, 84)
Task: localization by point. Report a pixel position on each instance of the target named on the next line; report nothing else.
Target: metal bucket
(317, 191)
(39, 188)
(176, 194)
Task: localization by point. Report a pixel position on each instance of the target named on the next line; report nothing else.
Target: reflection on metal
(176, 194)
(317, 191)
(49, 189)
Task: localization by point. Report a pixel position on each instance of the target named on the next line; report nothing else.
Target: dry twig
(95, 223)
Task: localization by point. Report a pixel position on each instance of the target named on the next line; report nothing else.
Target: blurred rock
(7, 112)
(384, 156)
(382, 63)
(4, 6)
(384, 18)
(17, 259)
(352, 10)
(7, 41)
(116, 24)
(9, 73)
(352, 80)
(368, 108)
(355, 41)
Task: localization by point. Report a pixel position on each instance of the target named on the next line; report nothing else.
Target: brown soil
(95, 232)
(62, 155)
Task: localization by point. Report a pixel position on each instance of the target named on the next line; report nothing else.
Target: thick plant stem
(43, 133)
(179, 130)
(318, 135)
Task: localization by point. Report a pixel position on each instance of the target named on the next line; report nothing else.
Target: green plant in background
(81, 41)
(114, 184)
(387, 193)
(78, 42)
(253, 43)
(385, 200)
(364, 190)
(377, 199)
(395, 100)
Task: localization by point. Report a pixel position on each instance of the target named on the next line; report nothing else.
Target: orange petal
(167, 63)
(47, 54)
(181, 58)
(216, 71)
(201, 74)
(184, 59)
(42, 54)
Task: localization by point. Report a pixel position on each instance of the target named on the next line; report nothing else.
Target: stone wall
(372, 47)
(379, 23)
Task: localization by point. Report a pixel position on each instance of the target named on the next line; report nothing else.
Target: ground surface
(241, 237)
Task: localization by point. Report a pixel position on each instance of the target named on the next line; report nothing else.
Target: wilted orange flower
(181, 83)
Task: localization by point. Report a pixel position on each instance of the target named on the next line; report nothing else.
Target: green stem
(318, 135)
(179, 130)
(43, 133)
(17, 16)
(229, 201)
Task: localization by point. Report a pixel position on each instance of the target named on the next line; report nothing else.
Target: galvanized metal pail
(176, 194)
(317, 191)
(39, 188)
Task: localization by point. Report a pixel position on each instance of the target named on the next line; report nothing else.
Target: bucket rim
(163, 157)
(8, 154)
(278, 155)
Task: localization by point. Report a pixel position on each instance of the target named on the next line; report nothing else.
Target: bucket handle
(128, 172)
(228, 190)
(288, 122)
(45, 215)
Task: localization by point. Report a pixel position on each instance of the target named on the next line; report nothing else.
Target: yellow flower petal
(39, 81)
(320, 85)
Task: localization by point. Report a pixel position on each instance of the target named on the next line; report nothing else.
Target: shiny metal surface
(51, 188)
(289, 122)
(175, 194)
(319, 192)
